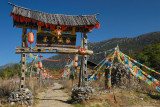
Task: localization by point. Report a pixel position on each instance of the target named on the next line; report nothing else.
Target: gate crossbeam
(51, 50)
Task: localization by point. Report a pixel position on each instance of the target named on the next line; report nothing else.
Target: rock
(23, 97)
(81, 93)
(141, 98)
(30, 102)
(12, 103)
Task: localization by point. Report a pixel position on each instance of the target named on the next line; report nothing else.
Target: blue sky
(118, 18)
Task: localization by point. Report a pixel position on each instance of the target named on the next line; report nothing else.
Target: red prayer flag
(64, 27)
(21, 19)
(97, 26)
(40, 24)
(47, 25)
(10, 14)
(33, 21)
(52, 27)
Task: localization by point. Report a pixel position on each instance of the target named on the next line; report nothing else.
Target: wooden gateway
(56, 33)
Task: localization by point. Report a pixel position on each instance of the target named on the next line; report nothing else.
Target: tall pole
(80, 72)
(23, 55)
(85, 77)
(40, 71)
(31, 68)
(106, 78)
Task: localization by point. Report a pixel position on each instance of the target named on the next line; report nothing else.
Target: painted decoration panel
(49, 40)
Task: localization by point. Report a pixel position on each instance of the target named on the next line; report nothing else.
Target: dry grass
(9, 85)
(36, 86)
(67, 85)
(6, 87)
(122, 98)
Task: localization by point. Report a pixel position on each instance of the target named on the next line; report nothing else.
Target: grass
(146, 98)
(125, 97)
(6, 87)
(105, 105)
(78, 105)
(132, 101)
(96, 105)
(137, 92)
(69, 99)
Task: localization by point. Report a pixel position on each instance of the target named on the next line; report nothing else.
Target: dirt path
(53, 97)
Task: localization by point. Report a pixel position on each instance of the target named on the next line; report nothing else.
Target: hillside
(56, 65)
(127, 45)
(10, 70)
(7, 65)
(149, 56)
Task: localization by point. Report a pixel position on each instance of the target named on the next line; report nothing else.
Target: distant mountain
(126, 45)
(57, 64)
(7, 65)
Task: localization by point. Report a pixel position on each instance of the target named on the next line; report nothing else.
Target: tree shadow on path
(67, 102)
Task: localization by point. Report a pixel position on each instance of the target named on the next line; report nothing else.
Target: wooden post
(32, 64)
(81, 67)
(23, 55)
(129, 77)
(84, 62)
(75, 73)
(80, 74)
(82, 71)
(106, 78)
(40, 78)
(40, 71)
(30, 75)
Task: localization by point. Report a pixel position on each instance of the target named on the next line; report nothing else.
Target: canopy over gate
(31, 19)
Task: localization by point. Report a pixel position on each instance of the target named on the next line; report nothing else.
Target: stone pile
(23, 97)
(81, 93)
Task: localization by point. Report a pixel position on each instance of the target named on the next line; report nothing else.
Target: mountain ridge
(7, 65)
